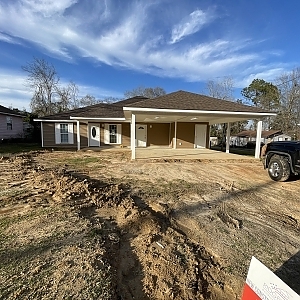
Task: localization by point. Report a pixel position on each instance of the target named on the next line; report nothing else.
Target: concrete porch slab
(197, 154)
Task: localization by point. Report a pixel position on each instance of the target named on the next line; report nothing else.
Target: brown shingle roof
(183, 100)
(132, 100)
(180, 100)
(100, 110)
(8, 111)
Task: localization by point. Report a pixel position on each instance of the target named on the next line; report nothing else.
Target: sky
(108, 47)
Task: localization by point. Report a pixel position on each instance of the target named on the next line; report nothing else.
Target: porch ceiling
(212, 118)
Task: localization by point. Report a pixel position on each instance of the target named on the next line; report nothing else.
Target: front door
(200, 135)
(140, 135)
(94, 135)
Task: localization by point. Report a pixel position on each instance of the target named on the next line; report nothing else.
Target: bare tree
(43, 80)
(221, 89)
(87, 100)
(289, 109)
(146, 92)
(68, 97)
(48, 96)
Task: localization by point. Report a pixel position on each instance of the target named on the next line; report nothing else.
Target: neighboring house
(243, 137)
(178, 120)
(11, 124)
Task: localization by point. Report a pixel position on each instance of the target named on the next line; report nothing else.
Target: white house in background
(11, 124)
(282, 137)
(243, 137)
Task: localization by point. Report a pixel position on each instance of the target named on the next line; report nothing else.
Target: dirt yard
(95, 225)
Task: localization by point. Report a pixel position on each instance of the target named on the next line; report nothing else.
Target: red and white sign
(263, 284)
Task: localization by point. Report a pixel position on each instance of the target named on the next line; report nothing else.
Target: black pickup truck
(282, 159)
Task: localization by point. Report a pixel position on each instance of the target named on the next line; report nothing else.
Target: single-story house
(177, 120)
(11, 124)
(241, 138)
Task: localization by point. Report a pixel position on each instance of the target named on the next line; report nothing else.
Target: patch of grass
(12, 148)
(81, 161)
(172, 190)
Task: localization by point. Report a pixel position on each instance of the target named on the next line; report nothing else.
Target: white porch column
(42, 134)
(228, 138)
(132, 136)
(258, 139)
(78, 136)
(175, 136)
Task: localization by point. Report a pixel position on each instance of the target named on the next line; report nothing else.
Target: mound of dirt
(66, 231)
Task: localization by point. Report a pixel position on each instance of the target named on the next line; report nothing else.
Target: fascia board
(182, 111)
(99, 119)
(52, 120)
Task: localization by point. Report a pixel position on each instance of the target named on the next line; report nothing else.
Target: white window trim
(70, 134)
(9, 121)
(106, 134)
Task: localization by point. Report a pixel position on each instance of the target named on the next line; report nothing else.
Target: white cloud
(13, 91)
(268, 73)
(128, 37)
(193, 23)
(6, 38)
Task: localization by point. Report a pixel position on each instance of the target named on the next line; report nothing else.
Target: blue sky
(109, 46)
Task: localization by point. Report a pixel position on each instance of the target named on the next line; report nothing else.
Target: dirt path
(118, 229)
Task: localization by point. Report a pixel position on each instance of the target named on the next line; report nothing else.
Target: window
(64, 133)
(112, 134)
(9, 123)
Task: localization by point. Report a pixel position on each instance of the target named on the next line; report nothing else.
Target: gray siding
(17, 127)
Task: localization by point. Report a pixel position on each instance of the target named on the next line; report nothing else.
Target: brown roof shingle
(183, 100)
(132, 100)
(180, 100)
(101, 110)
(8, 111)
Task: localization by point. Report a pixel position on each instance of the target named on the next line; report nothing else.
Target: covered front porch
(177, 118)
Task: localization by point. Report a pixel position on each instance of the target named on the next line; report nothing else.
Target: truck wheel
(279, 168)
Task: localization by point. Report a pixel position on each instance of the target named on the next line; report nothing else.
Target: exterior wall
(172, 134)
(207, 135)
(185, 135)
(126, 134)
(158, 134)
(83, 135)
(17, 127)
(49, 136)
